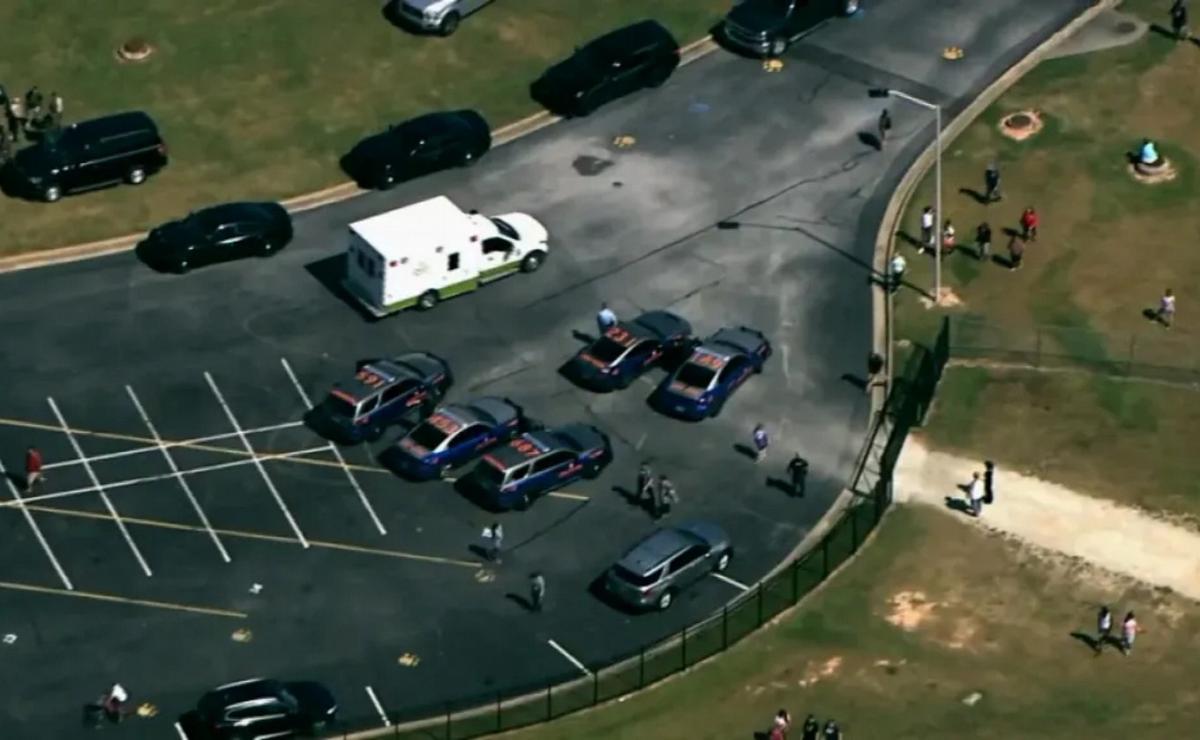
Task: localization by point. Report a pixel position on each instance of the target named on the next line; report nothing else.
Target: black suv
(263, 708)
(89, 154)
(616, 64)
(769, 26)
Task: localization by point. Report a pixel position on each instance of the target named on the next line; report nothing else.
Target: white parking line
(362, 496)
(112, 510)
(165, 476)
(257, 463)
(187, 490)
(574, 661)
(176, 443)
(37, 531)
(181, 733)
(736, 584)
(378, 707)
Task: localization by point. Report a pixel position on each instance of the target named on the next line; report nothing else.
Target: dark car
(263, 708)
(616, 64)
(452, 435)
(628, 349)
(87, 155)
(217, 234)
(382, 393)
(717, 367)
(514, 475)
(651, 573)
(428, 143)
(770, 26)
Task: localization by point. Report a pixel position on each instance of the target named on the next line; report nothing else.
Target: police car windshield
(506, 229)
(427, 435)
(606, 350)
(695, 375)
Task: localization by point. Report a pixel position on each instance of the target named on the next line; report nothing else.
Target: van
(427, 252)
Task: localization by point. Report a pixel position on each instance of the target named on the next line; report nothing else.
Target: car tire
(52, 194)
(533, 261)
(778, 47)
(468, 159)
(373, 434)
(665, 599)
(267, 249)
(723, 561)
(717, 408)
(428, 300)
(851, 7)
(389, 181)
(592, 470)
(449, 24)
(183, 267)
(136, 176)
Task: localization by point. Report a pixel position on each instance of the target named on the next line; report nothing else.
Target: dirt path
(1113, 537)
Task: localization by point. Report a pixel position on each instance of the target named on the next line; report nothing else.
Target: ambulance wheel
(428, 300)
(532, 261)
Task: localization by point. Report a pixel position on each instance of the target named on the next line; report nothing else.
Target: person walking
(657, 507)
(991, 183)
(1166, 308)
(1103, 629)
(896, 272)
(989, 481)
(832, 731)
(537, 591)
(668, 495)
(983, 241)
(1179, 20)
(1129, 631)
(16, 117)
(113, 703)
(975, 495)
(495, 546)
(33, 469)
(885, 126)
(1016, 253)
(797, 470)
(33, 107)
(949, 237)
(760, 443)
(645, 485)
(780, 725)
(56, 110)
(605, 318)
(1029, 224)
(811, 728)
(927, 227)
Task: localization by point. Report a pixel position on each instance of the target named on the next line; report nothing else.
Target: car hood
(531, 230)
(37, 160)
(755, 16)
(176, 235)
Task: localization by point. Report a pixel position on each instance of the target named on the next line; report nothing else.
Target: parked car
(640, 55)
(87, 155)
(437, 16)
(717, 367)
(653, 572)
(770, 26)
(452, 435)
(217, 234)
(262, 708)
(628, 349)
(534, 464)
(382, 393)
(419, 146)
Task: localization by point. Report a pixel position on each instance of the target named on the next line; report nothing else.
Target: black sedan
(428, 143)
(217, 234)
(629, 349)
(620, 62)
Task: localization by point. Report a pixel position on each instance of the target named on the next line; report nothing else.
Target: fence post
(725, 627)
(760, 604)
(642, 667)
(683, 649)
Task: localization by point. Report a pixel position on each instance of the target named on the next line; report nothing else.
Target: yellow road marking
(362, 549)
(123, 600)
(569, 495)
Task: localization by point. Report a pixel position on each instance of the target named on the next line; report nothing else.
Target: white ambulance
(428, 251)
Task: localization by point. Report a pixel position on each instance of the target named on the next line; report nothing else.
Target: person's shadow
(958, 504)
(779, 484)
(520, 601)
(746, 450)
(632, 498)
(978, 197)
(1090, 640)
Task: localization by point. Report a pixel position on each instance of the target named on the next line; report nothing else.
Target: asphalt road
(123, 355)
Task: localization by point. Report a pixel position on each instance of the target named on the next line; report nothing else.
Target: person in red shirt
(33, 469)
(1029, 224)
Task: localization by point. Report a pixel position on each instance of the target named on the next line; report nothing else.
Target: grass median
(259, 98)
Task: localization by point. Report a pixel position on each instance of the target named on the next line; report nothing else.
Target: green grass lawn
(259, 98)
(1108, 246)
(931, 612)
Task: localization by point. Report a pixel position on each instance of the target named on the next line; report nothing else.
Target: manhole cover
(1126, 27)
(1019, 121)
(589, 166)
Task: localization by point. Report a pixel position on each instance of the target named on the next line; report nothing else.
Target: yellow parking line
(345, 547)
(569, 495)
(110, 598)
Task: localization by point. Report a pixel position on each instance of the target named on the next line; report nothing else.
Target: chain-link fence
(480, 715)
(1156, 353)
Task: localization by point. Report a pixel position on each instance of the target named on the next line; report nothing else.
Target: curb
(335, 194)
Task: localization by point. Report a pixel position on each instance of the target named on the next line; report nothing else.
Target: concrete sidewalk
(1117, 538)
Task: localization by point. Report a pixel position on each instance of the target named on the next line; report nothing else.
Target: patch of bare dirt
(909, 609)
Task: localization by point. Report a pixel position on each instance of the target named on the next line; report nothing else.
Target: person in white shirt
(1166, 308)
(113, 702)
(1129, 630)
(605, 319)
(897, 272)
(927, 228)
(975, 494)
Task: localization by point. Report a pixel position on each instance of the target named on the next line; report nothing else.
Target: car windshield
(636, 579)
(506, 229)
(695, 375)
(427, 435)
(336, 405)
(606, 350)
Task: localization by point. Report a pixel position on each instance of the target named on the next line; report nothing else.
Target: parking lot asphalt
(272, 554)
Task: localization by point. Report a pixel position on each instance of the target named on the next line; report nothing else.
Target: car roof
(658, 547)
(532, 445)
(488, 410)
(377, 374)
(238, 212)
(632, 38)
(730, 341)
(117, 123)
(659, 325)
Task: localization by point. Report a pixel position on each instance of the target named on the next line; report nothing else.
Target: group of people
(982, 488)
(1104, 636)
(656, 492)
(28, 115)
(810, 730)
